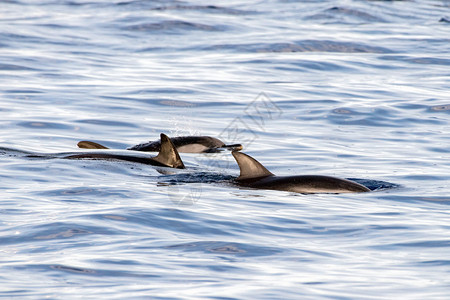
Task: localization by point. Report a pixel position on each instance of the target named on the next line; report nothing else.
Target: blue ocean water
(354, 89)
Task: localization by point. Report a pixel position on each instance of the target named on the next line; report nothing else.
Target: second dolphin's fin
(90, 145)
(250, 167)
(168, 155)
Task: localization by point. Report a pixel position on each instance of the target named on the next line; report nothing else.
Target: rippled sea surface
(353, 89)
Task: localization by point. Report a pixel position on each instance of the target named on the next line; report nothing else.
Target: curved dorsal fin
(250, 167)
(168, 155)
(90, 145)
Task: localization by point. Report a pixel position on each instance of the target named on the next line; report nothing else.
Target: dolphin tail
(250, 168)
(90, 145)
(168, 155)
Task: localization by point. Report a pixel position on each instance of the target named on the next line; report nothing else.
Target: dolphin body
(255, 175)
(183, 144)
(167, 157)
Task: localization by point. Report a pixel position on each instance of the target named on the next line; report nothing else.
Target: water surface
(354, 89)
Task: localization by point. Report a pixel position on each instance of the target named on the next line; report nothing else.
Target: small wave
(432, 199)
(13, 67)
(24, 91)
(439, 262)
(72, 269)
(445, 107)
(171, 25)
(204, 8)
(345, 15)
(178, 103)
(216, 247)
(379, 117)
(349, 12)
(52, 231)
(303, 46)
(43, 125)
(426, 244)
(418, 60)
(107, 123)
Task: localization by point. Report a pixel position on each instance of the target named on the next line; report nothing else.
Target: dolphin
(253, 174)
(167, 157)
(183, 144)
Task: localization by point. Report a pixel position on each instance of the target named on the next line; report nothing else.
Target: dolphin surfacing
(189, 144)
(167, 157)
(255, 175)
(183, 144)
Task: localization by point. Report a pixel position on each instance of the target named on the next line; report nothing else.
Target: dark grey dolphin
(255, 175)
(189, 144)
(184, 144)
(167, 157)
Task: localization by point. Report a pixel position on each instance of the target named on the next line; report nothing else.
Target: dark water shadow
(375, 185)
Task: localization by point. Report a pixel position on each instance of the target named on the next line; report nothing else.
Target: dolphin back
(255, 175)
(308, 184)
(167, 157)
(186, 144)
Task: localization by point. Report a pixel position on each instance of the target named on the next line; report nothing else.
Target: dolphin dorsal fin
(168, 155)
(90, 145)
(250, 167)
